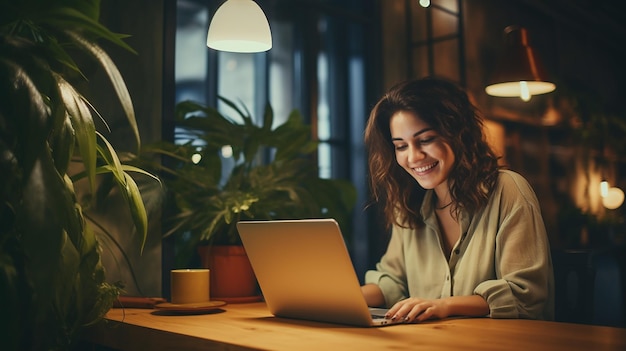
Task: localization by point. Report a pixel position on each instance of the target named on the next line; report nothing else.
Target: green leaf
(244, 114)
(23, 111)
(110, 157)
(47, 208)
(68, 18)
(84, 128)
(137, 209)
(128, 168)
(128, 188)
(115, 77)
(268, 118)
(62, 143)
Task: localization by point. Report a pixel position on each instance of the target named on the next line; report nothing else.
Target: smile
(425, 168)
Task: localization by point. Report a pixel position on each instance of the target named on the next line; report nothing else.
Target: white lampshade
(522, 89)
(239, 26)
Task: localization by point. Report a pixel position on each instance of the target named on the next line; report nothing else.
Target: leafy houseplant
(52, 282)
(270, 175)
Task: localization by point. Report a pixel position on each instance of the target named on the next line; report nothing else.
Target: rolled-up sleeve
(522, 259)
(390, 273)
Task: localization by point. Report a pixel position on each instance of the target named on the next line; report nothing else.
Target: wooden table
(252, 327)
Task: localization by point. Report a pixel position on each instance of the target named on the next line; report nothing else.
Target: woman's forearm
(471, 306)
(373, 295)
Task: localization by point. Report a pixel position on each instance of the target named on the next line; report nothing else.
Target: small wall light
(519, 72)
(613, 199)
(239, 26)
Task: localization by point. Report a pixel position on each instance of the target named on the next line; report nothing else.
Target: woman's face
(421, 151)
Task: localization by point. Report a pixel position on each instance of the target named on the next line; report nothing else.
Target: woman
(467, 238)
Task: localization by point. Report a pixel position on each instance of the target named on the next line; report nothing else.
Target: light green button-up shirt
(503, 255)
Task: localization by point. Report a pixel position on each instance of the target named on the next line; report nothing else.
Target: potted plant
(233, 169)
(52, 283)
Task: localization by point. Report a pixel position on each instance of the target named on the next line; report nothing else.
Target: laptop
(305, 272)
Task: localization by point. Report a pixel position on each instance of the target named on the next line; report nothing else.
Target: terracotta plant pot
(232, 277)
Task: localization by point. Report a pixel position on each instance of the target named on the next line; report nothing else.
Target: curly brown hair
(447, 109)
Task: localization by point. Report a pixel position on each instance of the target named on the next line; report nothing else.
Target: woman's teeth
(425, 168)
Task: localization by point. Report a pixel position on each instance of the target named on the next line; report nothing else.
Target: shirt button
(457, 251)
(447, 277)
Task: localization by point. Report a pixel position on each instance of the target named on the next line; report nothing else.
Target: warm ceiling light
(519, 72)
(239, 26)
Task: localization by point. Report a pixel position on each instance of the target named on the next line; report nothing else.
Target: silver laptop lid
(304, 270)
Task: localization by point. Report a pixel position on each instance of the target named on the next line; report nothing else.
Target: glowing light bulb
(524, 93)
(613, 199)
(195, 158)
(604, 188)
(424, 3)
(227, 151)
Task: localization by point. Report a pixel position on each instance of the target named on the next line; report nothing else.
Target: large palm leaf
(53, 283)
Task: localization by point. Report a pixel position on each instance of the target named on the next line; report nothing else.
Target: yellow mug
(190, 286)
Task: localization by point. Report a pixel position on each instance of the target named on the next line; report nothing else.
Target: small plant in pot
(229, 171)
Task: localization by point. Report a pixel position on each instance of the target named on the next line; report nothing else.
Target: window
(436, 32)
(318, 65)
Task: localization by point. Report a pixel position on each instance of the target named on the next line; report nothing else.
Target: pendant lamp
(239, 26)
(519, 73)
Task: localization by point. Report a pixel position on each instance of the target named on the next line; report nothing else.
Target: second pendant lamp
(519, 71)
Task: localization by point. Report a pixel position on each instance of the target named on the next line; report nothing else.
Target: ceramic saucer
(190, 307)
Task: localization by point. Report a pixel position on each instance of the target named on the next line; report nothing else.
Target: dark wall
(143, 21)
(579, 48)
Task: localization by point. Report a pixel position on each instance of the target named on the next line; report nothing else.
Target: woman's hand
(414, 309)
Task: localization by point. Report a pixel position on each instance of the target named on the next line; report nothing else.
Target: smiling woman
(467, 237)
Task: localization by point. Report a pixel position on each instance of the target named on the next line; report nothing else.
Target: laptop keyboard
(378, 312)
